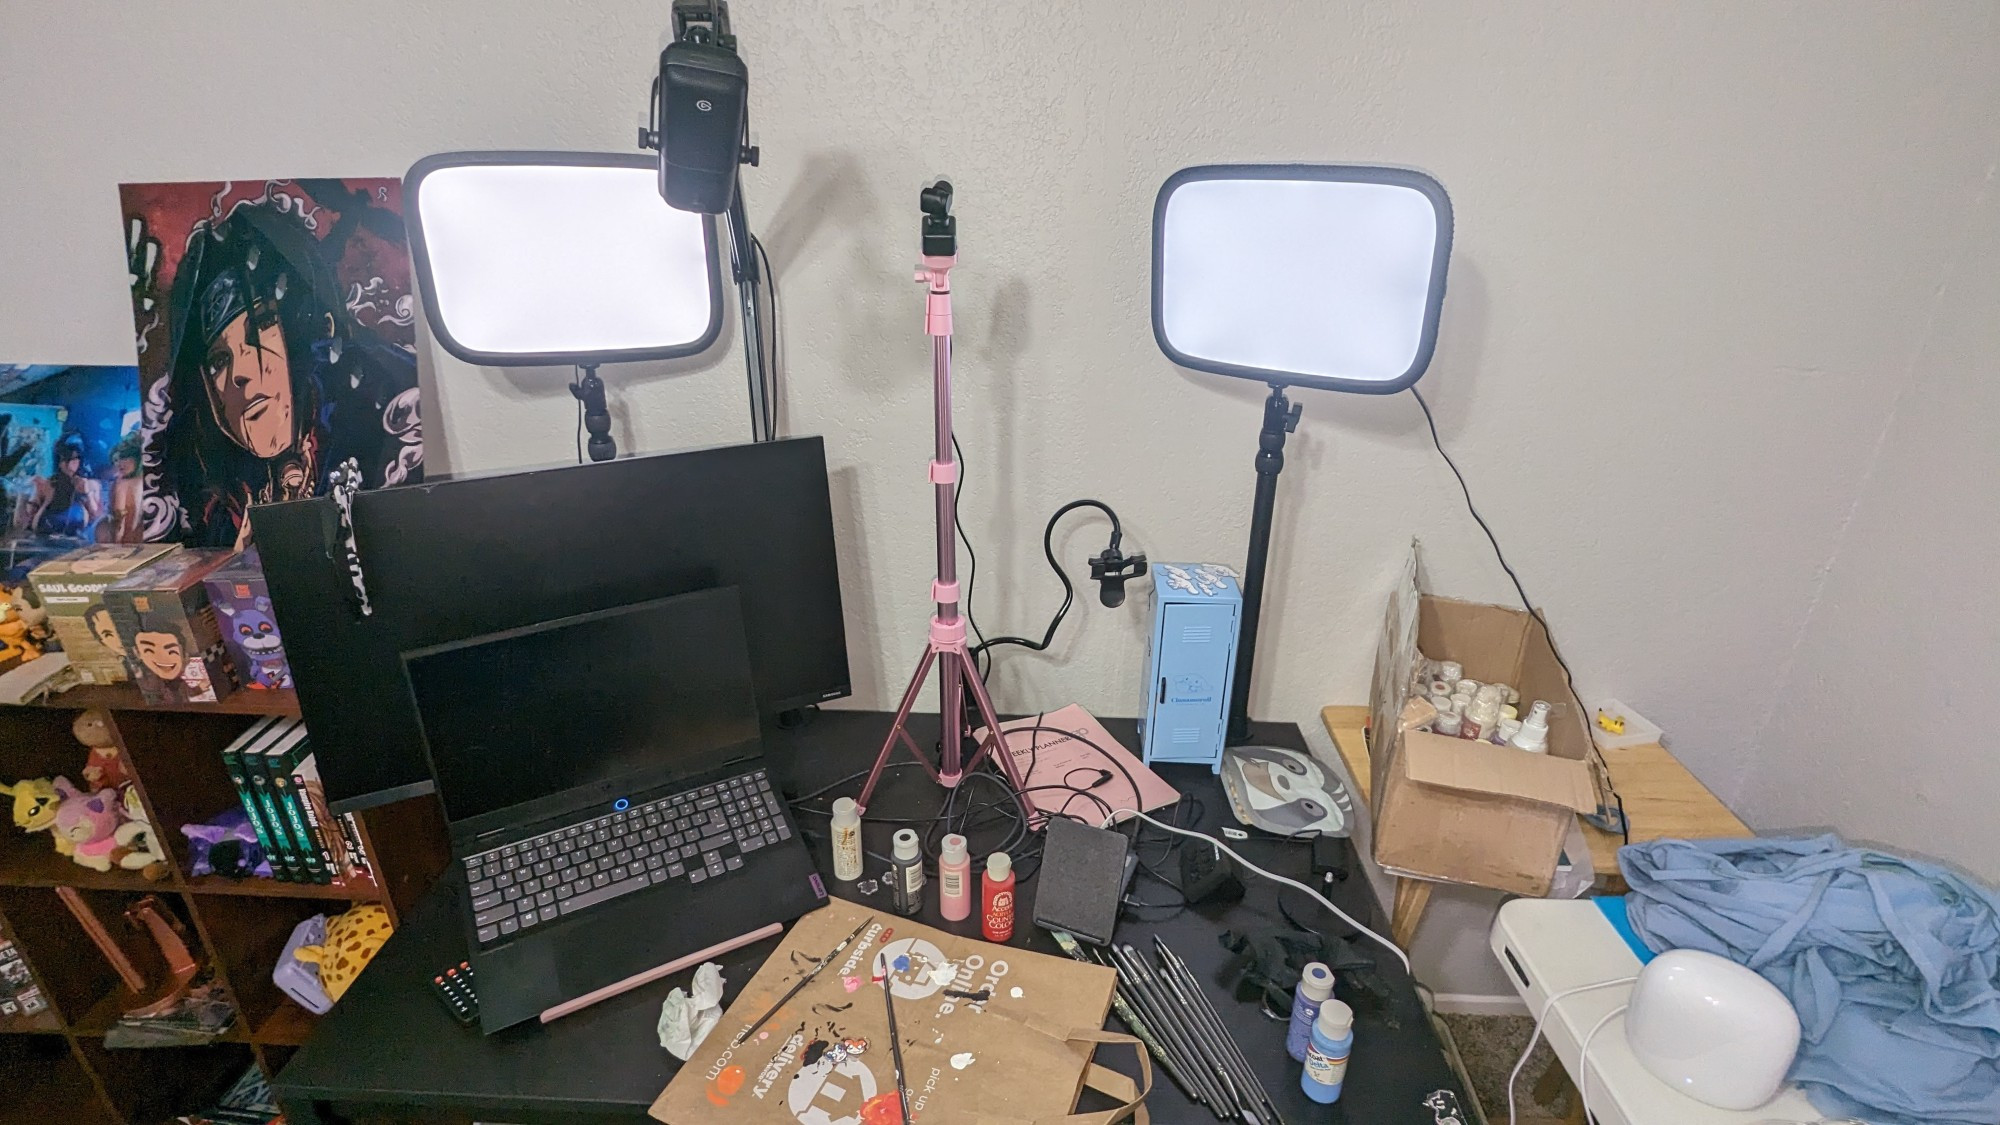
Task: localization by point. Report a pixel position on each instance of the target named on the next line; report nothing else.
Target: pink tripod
(957, 673)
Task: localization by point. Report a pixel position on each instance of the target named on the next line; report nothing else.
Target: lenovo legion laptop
(606, 794)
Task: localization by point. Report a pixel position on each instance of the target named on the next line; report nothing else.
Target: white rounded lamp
(1712, 1029)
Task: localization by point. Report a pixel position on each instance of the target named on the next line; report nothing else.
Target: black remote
(454, 987)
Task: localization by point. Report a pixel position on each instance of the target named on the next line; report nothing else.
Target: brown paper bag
(1020, 1056)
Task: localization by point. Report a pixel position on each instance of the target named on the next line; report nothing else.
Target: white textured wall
(1884, 729)
(1697, 247)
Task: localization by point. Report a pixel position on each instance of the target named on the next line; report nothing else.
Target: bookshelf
(238, 926)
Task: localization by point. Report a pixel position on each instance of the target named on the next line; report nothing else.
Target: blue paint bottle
(1315, 985)
(1326, 1055)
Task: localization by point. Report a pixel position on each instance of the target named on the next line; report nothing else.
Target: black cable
(1569, 680)
(1069, 589)
(576, 381)
(971, 561)
(770, 367)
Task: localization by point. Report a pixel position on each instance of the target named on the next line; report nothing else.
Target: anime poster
(69, 460)
(276, 332)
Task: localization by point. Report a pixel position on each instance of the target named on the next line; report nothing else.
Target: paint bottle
(906, 874)
(1483, 717)
(1315, 985)
(846, 840)
(1509, 727)
(996, 898)
(1449, 719)
(954, 872)
(1326, 1054)
(1534, 733)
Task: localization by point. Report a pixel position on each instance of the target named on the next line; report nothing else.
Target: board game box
(173, 646)
(72, 587)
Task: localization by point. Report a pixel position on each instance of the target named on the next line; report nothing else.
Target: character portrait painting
(276, 340)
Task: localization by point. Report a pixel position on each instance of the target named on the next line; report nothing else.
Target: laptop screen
(625, 695)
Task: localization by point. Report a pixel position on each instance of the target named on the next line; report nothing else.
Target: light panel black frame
(1327, 173)
(413, 182)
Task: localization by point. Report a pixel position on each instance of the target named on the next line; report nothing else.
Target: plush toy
(105, 768)
(227, 846)
(88, 822)
(14, 638)
(138, 849)
(35, 803)
(351, 941)
(40, 635)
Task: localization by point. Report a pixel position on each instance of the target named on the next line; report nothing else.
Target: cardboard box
(249, 630)
(173, 648)
(1453, 810)
(72, 587)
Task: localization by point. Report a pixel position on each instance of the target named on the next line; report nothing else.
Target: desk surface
(389, 1045)
(1662, 799)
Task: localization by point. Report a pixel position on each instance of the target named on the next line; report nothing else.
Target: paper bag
(1019, 1055)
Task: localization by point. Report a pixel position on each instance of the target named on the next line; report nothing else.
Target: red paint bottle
(996, 898)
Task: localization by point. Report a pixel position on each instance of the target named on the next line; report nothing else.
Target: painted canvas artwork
(276, 337)
(69, 460)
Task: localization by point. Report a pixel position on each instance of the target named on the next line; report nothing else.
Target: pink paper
(1050, 756)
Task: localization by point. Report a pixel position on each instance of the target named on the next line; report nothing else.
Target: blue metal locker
(1197, 609)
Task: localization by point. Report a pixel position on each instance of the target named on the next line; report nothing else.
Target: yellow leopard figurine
(351, 941)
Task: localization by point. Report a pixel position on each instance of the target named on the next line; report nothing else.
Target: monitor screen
(624, 697)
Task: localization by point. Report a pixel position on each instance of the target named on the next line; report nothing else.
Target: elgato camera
(700, 110)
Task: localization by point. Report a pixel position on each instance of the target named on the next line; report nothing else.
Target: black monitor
(461, 557)
(587, 709)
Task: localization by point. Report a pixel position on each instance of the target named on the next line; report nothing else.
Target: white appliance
(1546, 946)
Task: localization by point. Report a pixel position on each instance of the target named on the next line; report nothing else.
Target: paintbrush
(803, 981)
(895, 1045)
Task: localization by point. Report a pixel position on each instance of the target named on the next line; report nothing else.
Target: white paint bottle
(846, 840)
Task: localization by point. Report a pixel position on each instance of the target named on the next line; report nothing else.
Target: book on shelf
(286, 862)
(334, 836)
(282, 761)
(359, 865)
(234, 758)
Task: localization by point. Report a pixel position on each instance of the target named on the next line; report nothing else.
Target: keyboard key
(603, 894)
(487, 933)
(509, 926)
(504, 880)
(545, 899)
(751, 844)
(770, 838)
(618, 873)
(655, 863)
(711, 843)
(600, 879)
(697, 875)
(658, 877)
(529, 917)
(708, 803)
(485, 902)
(689, 851)
(733, 863)
(784, 833)
(622, 856)
(508, 850)
(676, 870)
(490, 916)
(480, 887)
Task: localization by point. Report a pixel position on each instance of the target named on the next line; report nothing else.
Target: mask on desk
(1284, 792)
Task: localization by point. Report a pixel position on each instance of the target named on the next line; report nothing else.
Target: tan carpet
(1489, 1046)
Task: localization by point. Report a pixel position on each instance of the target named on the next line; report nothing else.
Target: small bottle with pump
(1326, 1054)
(1534, 733)
(906, 874)
(954, 875)
(1315, 985)
(846, 840)
(996, 898)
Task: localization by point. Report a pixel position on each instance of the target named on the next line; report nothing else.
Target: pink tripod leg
(897, 730)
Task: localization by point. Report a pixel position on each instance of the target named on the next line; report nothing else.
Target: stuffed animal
(351, 941)
(14, 634)
(138, 849)
(40, 636)
(35, 803)
(88, 822)
(105, 768)
(227, 846)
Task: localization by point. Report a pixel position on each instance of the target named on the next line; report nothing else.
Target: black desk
(389, 1048)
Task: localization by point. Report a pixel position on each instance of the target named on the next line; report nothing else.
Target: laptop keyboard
(695, 836)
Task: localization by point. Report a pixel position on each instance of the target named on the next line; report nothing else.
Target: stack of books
(277, 779)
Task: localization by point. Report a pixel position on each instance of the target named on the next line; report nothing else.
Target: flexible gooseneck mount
(957, 675)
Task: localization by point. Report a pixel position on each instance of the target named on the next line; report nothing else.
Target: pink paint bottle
(954, 875)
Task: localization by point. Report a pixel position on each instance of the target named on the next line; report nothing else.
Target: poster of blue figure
(69, 459)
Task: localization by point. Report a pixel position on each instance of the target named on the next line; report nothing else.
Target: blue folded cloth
(1893, 964)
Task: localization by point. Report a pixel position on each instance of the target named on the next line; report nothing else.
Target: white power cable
(1583, 1059)
(1549, 1005)
(1317, 897)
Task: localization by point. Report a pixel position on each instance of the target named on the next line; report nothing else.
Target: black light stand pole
(589, 390)
(1281, 417)
(743, 267)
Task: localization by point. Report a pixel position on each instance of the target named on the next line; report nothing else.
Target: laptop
(605, 790)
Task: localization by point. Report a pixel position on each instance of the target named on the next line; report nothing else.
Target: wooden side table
(1662, 800)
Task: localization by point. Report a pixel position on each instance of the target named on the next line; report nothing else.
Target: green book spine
(285, 862)
(299, 812)
(232, 763)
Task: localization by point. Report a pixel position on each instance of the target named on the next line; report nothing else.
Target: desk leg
(1413, 897)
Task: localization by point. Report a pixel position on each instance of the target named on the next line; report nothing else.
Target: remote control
(454, 987)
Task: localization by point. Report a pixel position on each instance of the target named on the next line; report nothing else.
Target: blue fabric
(1613, 909)
(1892, 963)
